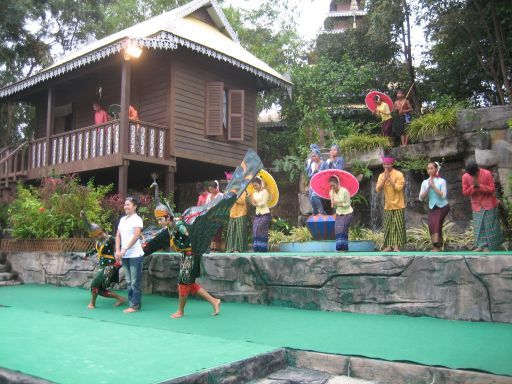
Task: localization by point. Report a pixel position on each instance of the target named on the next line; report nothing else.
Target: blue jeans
(316, 203)
(133, 273)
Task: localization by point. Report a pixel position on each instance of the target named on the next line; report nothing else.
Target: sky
(313, 14)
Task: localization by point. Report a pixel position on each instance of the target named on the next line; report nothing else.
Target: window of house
(224, 111)
(64, 118)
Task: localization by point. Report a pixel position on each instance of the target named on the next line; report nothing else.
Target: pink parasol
(370, 103)
(320, 182)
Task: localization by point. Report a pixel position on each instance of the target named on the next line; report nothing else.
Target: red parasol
(370, 103)
(320, 182)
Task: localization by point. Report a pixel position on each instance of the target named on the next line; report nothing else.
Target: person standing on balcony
(129, 250)
(478, 184)
(100, 115)
(133, 114)
(392, 182)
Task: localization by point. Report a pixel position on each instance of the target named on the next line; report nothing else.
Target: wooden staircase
(13, 168)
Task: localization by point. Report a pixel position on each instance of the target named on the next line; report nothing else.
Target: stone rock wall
(462, 287)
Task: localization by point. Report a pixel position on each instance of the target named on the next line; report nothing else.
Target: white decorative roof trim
(194, 6)
(221, 57)
(346, 14)
(86, 59)
(164, 40)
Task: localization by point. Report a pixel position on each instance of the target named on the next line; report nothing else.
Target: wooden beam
(122, 183)
(171, 111)
(169, 181)
(50, 122)
(124, 124)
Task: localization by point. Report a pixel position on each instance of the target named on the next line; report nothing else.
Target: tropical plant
(281, 225)
(292, 166)
(440, 122)
(363, 142)
(359, 200)
(420, 238)
(360, 232)
(357, 167)
(297, 235)
(416, 164)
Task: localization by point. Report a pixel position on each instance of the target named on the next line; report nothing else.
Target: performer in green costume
(109, 269)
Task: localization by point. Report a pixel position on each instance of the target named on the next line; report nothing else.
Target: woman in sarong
(382, 111)
(262, 218)
(479, 185)
(392, 182)
(108, 273)
(236, 238)
(340, 201)
(433, 190)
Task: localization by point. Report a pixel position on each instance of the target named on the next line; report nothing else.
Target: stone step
(9, 283)
(347, 380)
(293, 375)
(5, 276)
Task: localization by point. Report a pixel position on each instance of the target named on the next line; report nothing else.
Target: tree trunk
(501, 54)
(408, 57)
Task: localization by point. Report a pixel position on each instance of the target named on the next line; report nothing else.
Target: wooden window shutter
(214, 107)
(236, 115)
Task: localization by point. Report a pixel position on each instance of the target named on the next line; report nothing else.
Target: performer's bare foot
(485, 249)
(130, 310)
(396, 249)
(435, 249)
(91, 306)
(177, 315)
(119, 302)
(216, 307)
(478, 249)
(387, 249)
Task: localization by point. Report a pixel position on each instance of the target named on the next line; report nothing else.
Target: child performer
(109, 268)
(175, 233)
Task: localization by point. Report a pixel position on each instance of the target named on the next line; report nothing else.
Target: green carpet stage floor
(47, 331)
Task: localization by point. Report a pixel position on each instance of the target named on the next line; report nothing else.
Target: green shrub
(53, 209)
(440, 122)
(363, 142)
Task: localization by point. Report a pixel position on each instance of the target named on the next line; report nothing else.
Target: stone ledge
(449, 286)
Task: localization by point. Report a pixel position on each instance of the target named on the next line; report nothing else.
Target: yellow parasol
(270, 185)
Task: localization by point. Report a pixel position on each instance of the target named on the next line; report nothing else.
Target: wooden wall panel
(192, 73)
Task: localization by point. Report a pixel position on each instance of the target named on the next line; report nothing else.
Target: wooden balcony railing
(13, 163)
(145, 140)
